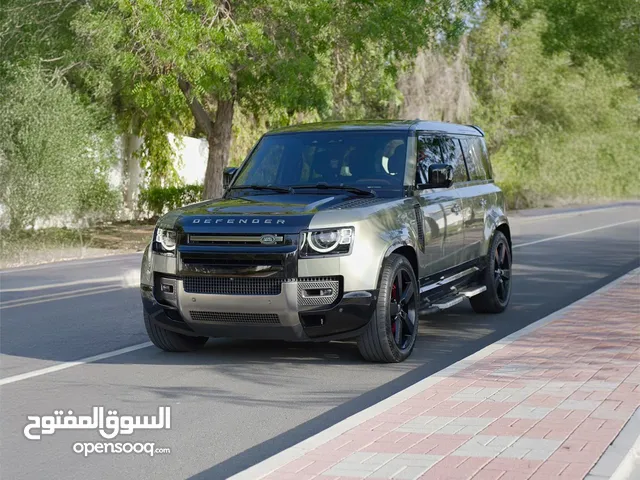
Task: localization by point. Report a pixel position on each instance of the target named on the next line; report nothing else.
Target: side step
(450, 301)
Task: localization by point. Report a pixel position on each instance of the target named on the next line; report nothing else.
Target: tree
(207, 57)
(605, 30)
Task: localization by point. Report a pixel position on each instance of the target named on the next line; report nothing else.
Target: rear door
(477, 196)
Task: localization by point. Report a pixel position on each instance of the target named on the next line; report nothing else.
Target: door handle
(455, 208)
(483, 202)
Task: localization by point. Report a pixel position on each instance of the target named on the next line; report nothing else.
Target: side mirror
(227, 176)
(440, 176)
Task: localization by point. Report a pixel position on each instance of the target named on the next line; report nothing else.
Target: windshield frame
(380, 190)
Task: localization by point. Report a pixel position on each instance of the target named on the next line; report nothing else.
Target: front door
(441, 210)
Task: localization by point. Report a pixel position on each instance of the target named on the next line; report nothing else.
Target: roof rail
(477, 128)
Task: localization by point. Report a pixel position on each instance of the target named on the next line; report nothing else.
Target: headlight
(165, 241)
(336, 241)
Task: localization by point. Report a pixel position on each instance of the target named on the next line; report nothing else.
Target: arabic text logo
(108, 426)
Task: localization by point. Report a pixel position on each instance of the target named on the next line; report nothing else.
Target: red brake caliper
(394, 296)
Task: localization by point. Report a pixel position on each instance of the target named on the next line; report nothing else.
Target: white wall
(190, 163)
(192, 158)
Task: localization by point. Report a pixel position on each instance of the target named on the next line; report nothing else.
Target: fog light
(166, 288)
(318, 292)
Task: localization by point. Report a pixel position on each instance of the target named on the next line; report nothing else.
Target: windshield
(366, 160)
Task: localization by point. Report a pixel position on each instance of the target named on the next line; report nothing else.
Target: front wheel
(171, 341)
(391, 333)
(496, 277)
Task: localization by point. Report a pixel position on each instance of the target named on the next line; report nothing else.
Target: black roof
(398, 125)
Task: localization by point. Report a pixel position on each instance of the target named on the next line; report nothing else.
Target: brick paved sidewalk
(544, 405)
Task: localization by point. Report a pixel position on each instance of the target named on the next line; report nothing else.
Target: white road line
(65, 365)
(53, 295)
(548, 239)
(61, 297)
(61, 285)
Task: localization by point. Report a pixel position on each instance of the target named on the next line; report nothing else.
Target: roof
(395, 125)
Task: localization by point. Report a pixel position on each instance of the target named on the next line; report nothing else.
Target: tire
(496, 277)
(391, 333)
(171, 341)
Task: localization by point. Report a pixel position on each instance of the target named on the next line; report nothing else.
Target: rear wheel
(171, 341)
(391, 333)
(496, 277)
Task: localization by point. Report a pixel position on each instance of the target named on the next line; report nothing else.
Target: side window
(473, 153)
(452, 153)
(485, 158)
(429, 152)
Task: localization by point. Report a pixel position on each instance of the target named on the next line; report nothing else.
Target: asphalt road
(236, 403)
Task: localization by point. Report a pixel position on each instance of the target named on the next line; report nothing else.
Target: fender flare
(394, 246)
(502, 221)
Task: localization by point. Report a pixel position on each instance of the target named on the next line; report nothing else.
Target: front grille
(259, 240)
(233, 286)
(224, 317)
(228, 260)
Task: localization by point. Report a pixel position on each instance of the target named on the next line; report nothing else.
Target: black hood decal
(260, 213)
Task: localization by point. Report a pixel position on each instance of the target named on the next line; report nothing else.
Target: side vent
(420, 222)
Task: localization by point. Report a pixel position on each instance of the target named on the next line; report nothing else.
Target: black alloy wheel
(496, 277)
(391, 333)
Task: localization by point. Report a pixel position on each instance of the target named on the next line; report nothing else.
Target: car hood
(276, 213)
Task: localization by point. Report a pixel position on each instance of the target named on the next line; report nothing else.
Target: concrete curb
(294, 452)
(629, 468)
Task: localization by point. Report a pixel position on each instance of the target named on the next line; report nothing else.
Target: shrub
(53, 151)
(159, 200)
(558, 132)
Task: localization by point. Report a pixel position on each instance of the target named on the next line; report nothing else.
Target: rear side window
(477, 158)
(436, 149)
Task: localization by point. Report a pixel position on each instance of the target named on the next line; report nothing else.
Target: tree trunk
(132, 172)
(219, 147)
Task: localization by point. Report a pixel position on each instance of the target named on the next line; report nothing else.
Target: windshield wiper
(326, 186)
(263, 187)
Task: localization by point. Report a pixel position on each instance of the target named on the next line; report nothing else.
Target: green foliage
(556, 130)
(54, 154)
(605, 30)
(263, 55)
(159, 200)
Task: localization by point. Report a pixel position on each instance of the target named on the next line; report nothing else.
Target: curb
(296, 451)
(629, 468)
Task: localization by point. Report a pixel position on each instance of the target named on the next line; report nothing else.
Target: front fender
(379, 230)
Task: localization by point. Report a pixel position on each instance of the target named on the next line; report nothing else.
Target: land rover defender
(334, 231)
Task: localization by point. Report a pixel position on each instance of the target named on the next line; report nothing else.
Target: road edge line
(271, 464)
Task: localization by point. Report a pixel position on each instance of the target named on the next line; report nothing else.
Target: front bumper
(288, 315)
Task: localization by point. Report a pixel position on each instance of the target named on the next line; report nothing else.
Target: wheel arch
(407, 251)
(506, 231)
